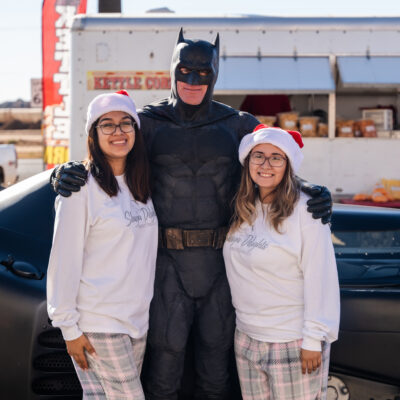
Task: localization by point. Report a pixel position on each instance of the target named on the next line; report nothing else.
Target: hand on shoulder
(68, 178)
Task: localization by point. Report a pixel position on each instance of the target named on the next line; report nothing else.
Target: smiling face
(117, 145)
(191, 94)
(266, 177)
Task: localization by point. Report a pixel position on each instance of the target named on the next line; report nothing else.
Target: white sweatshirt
(102, 264)
(284, 286)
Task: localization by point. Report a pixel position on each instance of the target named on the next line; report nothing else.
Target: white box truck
(8, 165)
(336, 66)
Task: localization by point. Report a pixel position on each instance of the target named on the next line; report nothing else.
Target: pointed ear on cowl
(216, 43)
(181, 39)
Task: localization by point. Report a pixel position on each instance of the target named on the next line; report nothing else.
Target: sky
(20, 26)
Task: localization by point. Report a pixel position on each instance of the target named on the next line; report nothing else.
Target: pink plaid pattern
(115, 373)
(272, 371)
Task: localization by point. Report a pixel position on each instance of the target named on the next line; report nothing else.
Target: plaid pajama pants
(115, 373)
(272, 371)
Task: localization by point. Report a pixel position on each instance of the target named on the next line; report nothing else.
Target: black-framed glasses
(108, 128)
(275, 160)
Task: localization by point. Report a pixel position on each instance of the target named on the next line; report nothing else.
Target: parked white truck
(335, 65)
(8, 165)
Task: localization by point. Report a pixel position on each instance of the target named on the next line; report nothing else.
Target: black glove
(68, 178)
(320, 205)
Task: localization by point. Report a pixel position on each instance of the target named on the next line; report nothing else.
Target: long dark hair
(137, 168)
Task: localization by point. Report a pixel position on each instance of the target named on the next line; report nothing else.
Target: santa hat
(104, 103)
(289, 142)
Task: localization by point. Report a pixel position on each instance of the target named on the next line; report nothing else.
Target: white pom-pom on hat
(107, 102)
(289, 142)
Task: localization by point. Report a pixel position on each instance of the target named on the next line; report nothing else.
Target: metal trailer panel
(350, 165)
(105, 50)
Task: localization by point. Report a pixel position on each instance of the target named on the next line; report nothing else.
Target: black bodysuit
(195, 172)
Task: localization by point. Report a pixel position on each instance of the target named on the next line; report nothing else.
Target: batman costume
(193, 151)
(195, 168)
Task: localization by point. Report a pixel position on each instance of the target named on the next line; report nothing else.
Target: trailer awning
(247, 75)
(369, 71)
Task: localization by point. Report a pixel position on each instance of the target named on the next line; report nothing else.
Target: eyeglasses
(274, 161)
(109, 128)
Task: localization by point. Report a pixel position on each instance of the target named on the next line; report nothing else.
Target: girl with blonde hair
(282, 273)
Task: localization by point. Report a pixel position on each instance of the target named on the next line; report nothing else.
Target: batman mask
(194, 62)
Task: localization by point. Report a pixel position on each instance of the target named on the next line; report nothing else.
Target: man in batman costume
(193, 144)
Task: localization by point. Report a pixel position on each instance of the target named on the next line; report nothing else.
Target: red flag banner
(57, 16)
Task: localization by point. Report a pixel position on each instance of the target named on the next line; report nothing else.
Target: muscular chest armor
(195, 172)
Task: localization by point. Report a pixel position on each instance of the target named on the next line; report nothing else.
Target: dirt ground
(28, 143)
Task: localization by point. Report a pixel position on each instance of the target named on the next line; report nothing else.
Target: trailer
(336, 67)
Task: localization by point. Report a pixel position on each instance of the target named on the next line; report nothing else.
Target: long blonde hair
(285, 196)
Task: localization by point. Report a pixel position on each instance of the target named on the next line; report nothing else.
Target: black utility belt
(179, 239)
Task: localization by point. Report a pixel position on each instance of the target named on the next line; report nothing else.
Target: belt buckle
(198, 238)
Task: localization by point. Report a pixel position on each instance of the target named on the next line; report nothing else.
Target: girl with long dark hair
(102, 262)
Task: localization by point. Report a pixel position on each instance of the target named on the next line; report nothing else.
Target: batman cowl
(199, 59)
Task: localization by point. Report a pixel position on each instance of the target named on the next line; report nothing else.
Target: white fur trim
(276, 136)
(108, 102)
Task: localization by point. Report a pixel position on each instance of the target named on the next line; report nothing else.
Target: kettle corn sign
(128, 80)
